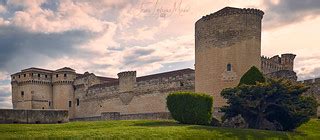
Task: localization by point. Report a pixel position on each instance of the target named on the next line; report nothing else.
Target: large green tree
(277, 101)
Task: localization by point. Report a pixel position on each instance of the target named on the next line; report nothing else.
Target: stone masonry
(227, 44)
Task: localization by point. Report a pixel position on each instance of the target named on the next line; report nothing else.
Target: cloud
(68, 16)
(4, 76)
(5, 95)
(283, 12)
(307, 67)
(2, 9)
(21, 48)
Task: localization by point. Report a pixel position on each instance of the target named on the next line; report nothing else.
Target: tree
(190, 108)
(276, 101)
(252, 76)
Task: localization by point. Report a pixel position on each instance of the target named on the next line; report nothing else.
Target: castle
(227, 44)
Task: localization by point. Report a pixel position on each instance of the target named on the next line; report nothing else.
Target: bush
(275, 101)
(190, 108)
(252, 76)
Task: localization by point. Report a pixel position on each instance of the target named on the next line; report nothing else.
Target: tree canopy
(279, 102)
(252, 76)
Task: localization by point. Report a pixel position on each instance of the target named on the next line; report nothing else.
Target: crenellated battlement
(233, 11)
(127, 73)
(277, 63)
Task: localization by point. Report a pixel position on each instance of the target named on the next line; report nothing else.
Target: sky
(149, 36)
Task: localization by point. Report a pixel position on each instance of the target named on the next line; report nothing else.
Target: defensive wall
(314, 90)
(145, 94)
(33, 116)
(119, 116)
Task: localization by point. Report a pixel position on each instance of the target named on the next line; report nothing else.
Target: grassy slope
(148, 129)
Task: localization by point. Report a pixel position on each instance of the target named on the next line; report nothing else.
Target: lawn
(144, 129)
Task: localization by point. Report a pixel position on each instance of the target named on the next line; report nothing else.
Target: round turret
(62, 81)
(227, 44)
(287, 61)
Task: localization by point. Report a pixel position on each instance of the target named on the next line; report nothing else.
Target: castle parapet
(277, 63)
(64, 75)
(234, 11)
(127, 80)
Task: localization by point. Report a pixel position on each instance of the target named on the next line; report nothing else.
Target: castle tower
(127, 81)
(63, 90)
(287, 61)
(227, 44)
(32, 89)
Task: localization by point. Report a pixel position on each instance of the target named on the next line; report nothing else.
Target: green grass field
(147, 129)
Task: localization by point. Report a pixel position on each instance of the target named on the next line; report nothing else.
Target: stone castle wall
(33, 116)
(147, 95)
(314, 90)
(227, 44)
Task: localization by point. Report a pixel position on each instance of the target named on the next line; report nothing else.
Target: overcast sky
(150, 36)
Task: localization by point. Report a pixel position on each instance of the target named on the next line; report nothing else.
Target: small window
(22, 93)
(229, 67)
(46, 76)
(24, 75)
(49, 103)
(19, 76)
(70, 103)
(13, 77)
(39, 75)
(57, 75)
(42, 107)
(65, 75)
(78, 102)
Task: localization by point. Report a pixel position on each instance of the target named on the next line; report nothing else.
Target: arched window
(229, 67)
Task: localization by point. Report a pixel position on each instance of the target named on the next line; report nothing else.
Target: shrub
(190, 108)
(252, 76)
(276, 101)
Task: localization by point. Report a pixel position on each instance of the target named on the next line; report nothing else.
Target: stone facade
(88, 95)
(227, 44)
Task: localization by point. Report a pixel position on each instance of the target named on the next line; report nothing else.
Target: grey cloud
(20, 48)
(314, 74)
(2, 99)
(5, 100)
(5, 105)
(289, 11)
(4, 94)
(140, 52)
(51, 5)
(133, 59)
